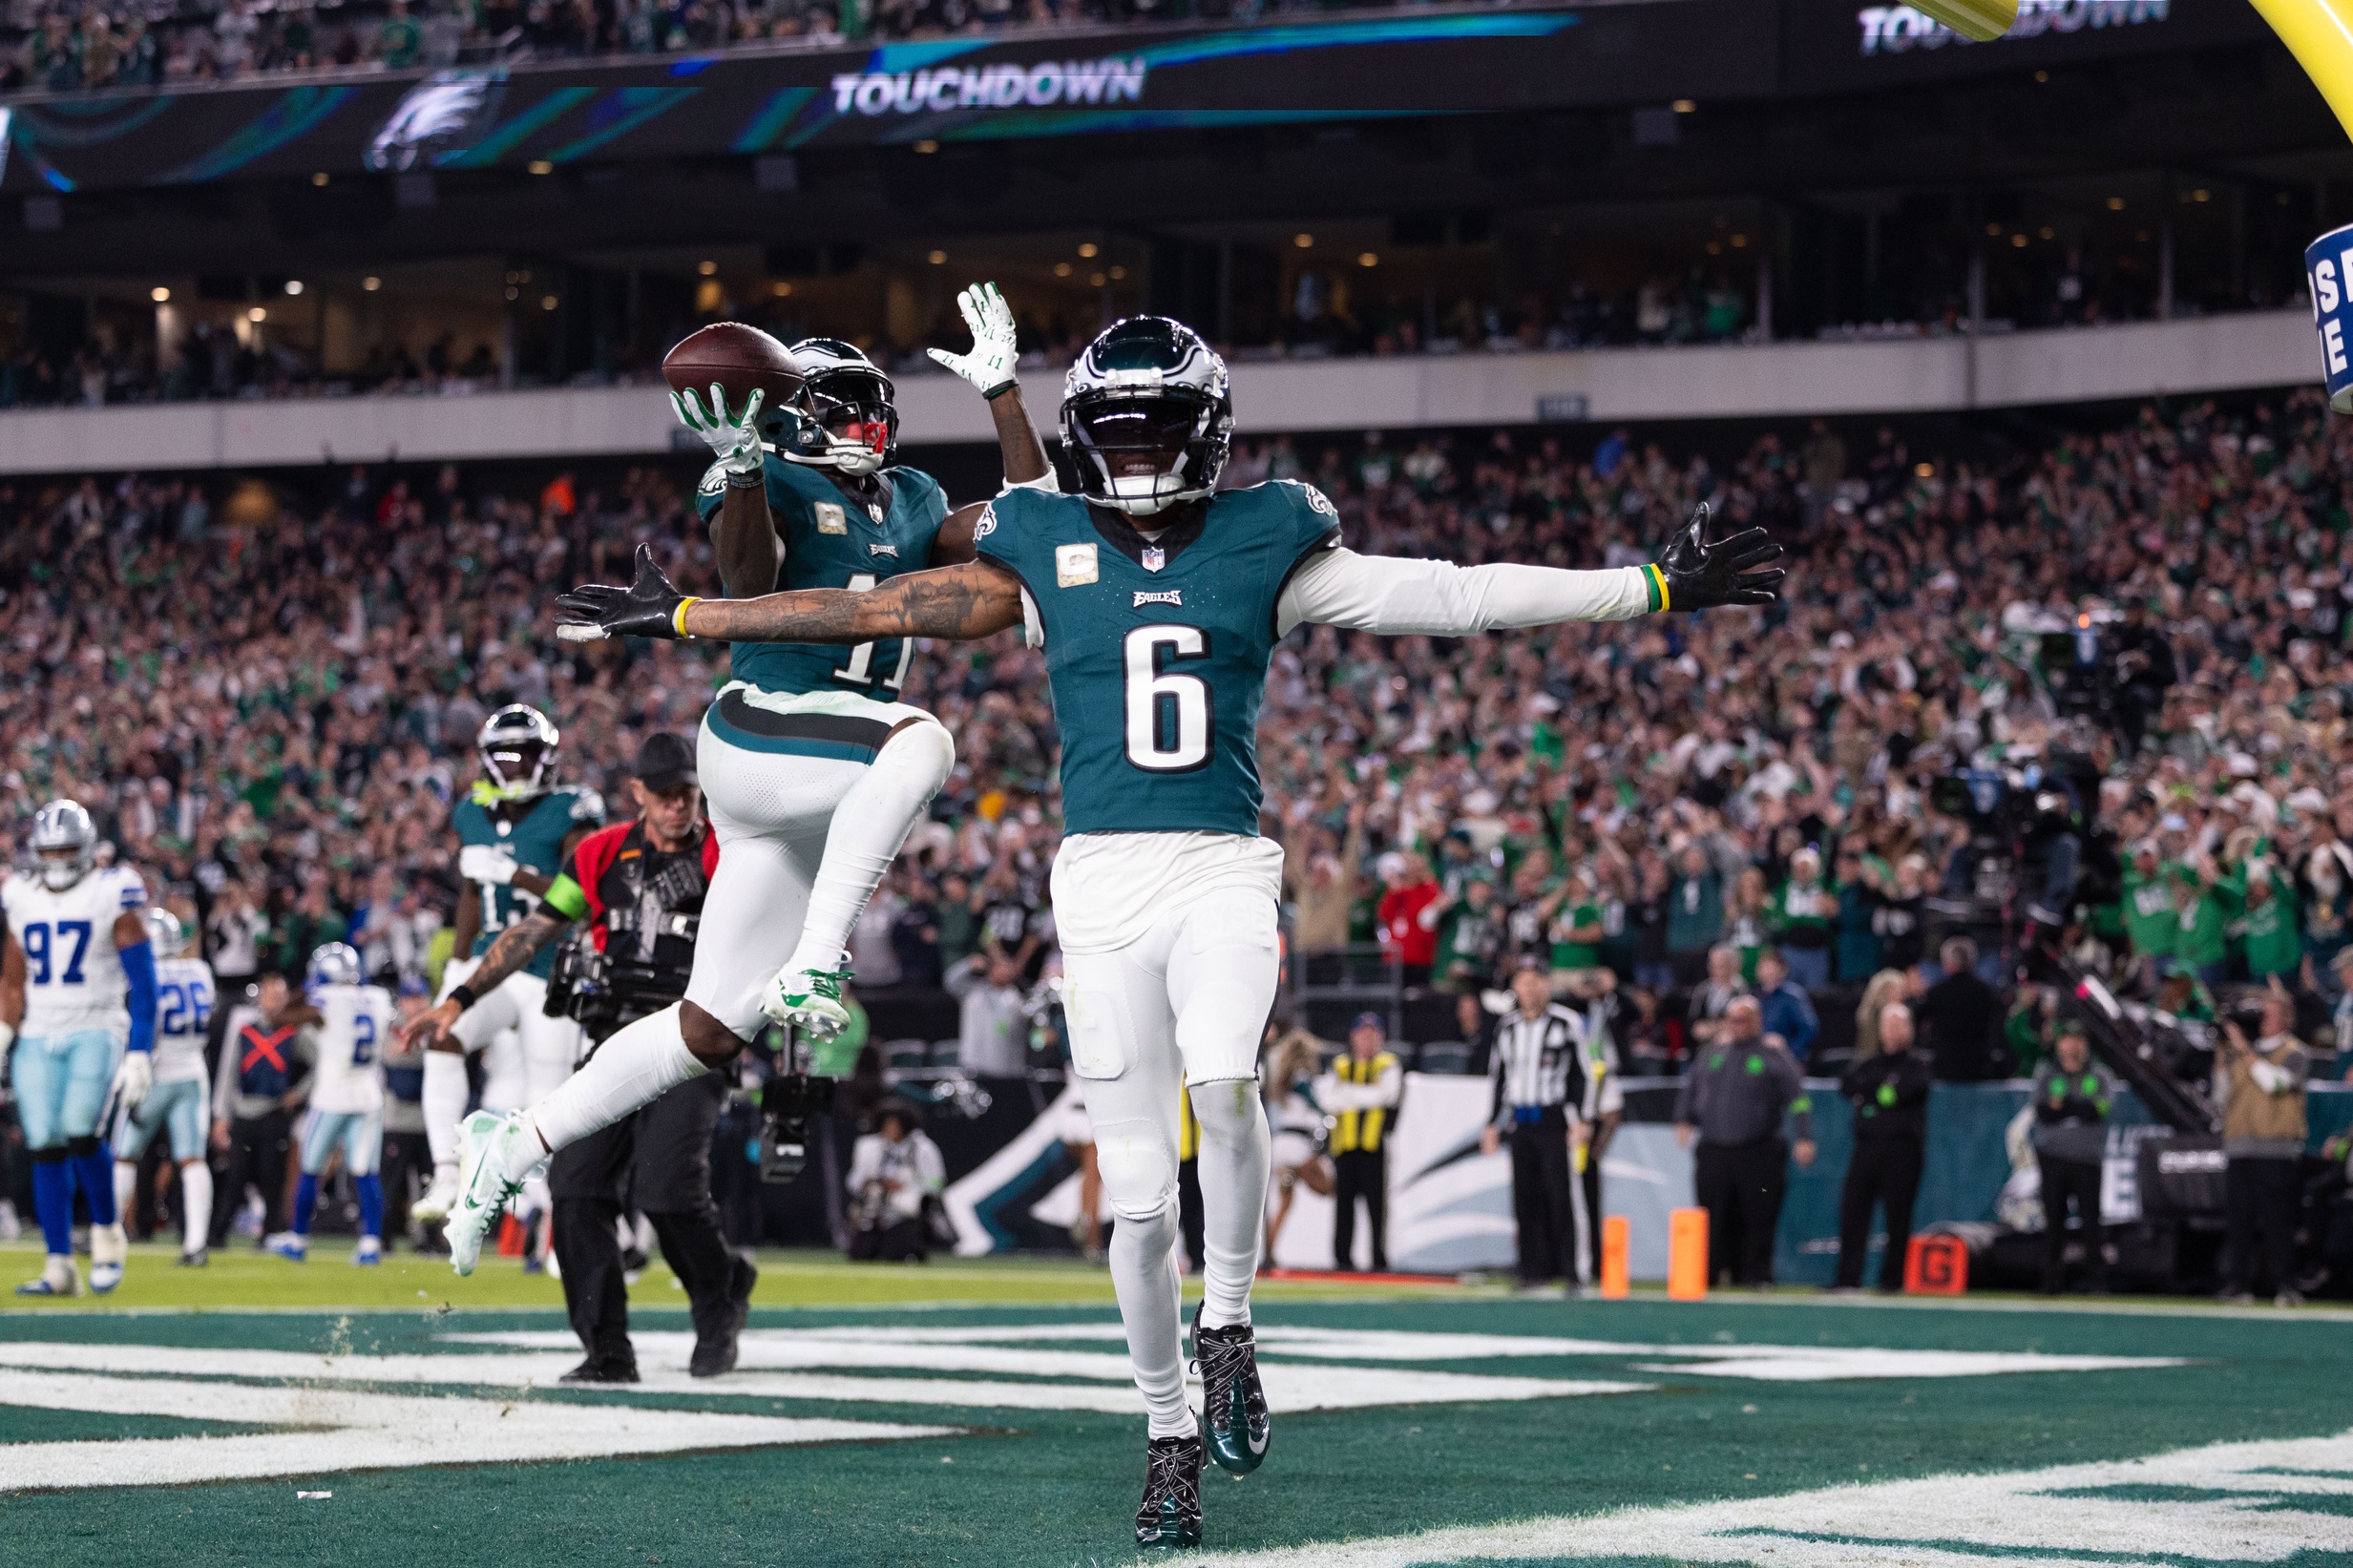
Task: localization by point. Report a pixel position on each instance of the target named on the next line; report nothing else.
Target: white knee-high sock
(195, 1204)
(634, 1067)
(1144, 1275)
(1236, 1152)
(864, 837)
(443, 1099)
(126, 1188)
(1138, 1163)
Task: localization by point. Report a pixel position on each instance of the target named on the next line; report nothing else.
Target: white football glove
(735, 438)
(135, 1078)
(989, 366)
(486, 863)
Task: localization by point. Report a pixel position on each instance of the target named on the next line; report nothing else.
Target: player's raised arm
(989, 369)
(1377, 593)
(976, 600)
(744, 540)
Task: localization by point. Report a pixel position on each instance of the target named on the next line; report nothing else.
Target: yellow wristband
(678, 617)
(1658, 582)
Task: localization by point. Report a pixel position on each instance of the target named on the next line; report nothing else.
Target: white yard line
(1937, 1522)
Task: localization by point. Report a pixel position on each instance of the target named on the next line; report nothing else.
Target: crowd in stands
(269, 699)
(50, 47)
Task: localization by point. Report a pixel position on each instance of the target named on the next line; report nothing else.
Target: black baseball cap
(665, 763)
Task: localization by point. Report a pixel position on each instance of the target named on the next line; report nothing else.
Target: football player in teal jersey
(803, 498)
(515, 828)
(1158, 601)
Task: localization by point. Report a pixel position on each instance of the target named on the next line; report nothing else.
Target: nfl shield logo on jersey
(1154, 557)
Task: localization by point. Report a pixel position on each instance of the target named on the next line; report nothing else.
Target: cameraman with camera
(639, 886)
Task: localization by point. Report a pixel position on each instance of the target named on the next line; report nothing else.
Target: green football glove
(1694, 574)
(989, 366)
(652, 606)
(735, 439)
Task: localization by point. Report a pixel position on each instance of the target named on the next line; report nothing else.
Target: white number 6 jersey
(73, 978)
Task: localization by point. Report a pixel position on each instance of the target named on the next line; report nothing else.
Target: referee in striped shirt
(1538, 1075)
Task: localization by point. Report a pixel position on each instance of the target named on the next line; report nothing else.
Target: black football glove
(1699, 576)
(648, 607)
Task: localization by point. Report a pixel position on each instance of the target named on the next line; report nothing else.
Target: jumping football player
(180, 1105)
(1158, 602)
(347, 1099)
(515, 827)
(78, 997)
(801, 498)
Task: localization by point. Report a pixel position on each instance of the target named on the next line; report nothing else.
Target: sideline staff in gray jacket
(1736, 1093)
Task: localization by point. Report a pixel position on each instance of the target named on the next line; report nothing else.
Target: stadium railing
(2203, 354)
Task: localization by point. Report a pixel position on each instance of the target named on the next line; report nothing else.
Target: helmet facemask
(517, 748)
(65, 843)
(61, 868)
(1143, 452)
(851, 426)
(850, 422)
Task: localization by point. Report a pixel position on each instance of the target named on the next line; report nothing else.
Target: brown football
(742, 359)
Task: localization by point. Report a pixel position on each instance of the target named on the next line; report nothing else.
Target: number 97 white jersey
(358, 1023)
(72, 979)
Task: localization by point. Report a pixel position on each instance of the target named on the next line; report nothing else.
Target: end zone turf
(1412, 1428)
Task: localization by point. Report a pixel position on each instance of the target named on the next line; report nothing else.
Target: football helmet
(517, 748)
(65, 843)
(1147, 416)
(850, 423)
(164, 933)
(335, 964)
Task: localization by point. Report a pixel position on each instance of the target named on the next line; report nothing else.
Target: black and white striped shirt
(1539, 1062)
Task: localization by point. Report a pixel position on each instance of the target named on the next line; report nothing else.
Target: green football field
(979, 1412)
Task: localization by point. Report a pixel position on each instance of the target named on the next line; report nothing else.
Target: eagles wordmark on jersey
(833, 539)
(1157, 649)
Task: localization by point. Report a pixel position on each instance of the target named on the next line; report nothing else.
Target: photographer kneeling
(896, 1175)
(639, 886)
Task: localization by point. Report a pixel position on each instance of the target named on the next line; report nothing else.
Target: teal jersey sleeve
(1156, 646)
(536, 839)
(835, 539)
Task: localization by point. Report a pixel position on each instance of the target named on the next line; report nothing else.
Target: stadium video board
(770, 100)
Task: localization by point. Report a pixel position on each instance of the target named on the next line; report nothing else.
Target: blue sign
(2328, 262)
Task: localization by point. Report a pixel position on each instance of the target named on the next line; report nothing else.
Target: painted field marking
(343, 1428)
(2239, 1507)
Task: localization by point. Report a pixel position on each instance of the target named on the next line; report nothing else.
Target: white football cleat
(109, 1250)
(807, 999)
(491, 1162)
(285, 1245)
(440, 1196)
(370, 1250)
(56, 1278)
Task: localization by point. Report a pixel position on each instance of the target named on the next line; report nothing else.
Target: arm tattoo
(515, 947)
(972, 600)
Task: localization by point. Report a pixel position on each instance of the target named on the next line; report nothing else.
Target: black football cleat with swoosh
(1234, 1422)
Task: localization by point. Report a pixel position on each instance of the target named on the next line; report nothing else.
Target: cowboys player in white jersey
(1158, 601)
(813, 771)
(180, 1105)
(77, 1000)
(347, 1099)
